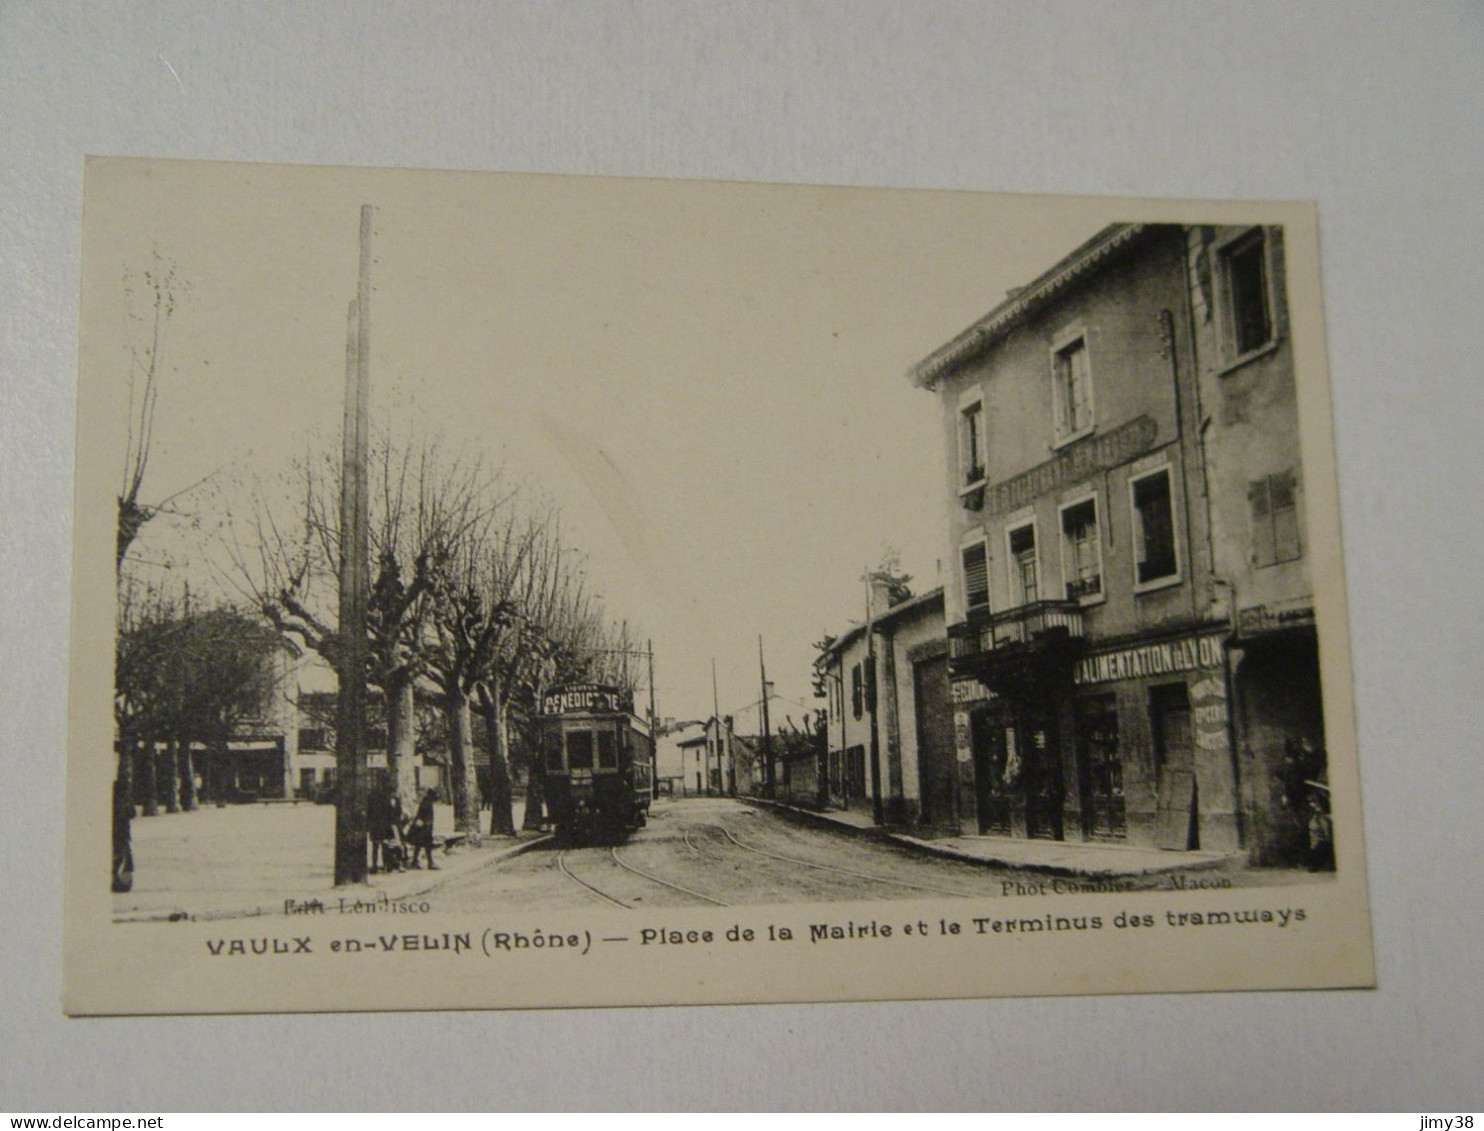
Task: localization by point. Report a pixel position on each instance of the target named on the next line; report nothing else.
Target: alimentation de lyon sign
(1190, 654)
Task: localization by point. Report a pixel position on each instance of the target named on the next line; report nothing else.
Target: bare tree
(475, 621)
(287, 558)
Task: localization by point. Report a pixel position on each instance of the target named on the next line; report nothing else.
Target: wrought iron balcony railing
(1025, 625)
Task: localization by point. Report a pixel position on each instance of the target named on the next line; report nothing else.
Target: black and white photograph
(555, 590)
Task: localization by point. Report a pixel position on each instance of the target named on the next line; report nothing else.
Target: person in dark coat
(420, 832)
(123, 849)
(384, 826)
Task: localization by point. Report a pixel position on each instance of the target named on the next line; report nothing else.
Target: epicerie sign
(582, 697)
(1151, 659)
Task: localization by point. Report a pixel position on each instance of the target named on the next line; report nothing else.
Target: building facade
(1249, 395)
(896, 683)
(1131, 640)
(716, 761)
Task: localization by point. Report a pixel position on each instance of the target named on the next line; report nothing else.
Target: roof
(921, 602)
(1022, 303)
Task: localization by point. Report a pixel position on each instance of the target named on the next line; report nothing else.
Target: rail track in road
(561, 863)
(832, 868)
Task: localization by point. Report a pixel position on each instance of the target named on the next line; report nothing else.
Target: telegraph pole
(654, 747)
(716, 716)
(769, 783)
(877, 813)
(350, 751)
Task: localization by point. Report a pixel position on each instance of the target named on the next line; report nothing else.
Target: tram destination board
(634, 728)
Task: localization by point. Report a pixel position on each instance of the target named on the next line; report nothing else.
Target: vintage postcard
(510, 591)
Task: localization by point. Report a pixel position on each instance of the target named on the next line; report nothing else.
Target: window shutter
(976, 578)
(1260, 502)
(1285, 517)
(1081, 387)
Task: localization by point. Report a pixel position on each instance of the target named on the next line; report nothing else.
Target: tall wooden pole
(654, 742)
(769, 778)
(716, 716)
(350, 749)
(878, 813)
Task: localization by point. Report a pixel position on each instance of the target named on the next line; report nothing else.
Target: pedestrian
(123, 849)
(1321, 829)
(384, 826)
(420, 833)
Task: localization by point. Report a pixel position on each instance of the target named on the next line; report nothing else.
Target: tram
(598, 758)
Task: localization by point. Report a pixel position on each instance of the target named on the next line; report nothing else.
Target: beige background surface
(1371, 111)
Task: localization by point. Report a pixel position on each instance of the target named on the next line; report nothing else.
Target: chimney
(880, 596)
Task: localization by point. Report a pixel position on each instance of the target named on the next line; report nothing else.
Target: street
(712, 851)
(695, 852)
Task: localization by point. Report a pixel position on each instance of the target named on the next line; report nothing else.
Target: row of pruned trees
(478, 604)
(187, 676)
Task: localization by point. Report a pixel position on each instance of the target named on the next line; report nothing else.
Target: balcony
(1042, 626)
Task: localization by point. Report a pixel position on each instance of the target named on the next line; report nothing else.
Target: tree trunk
(217, 771)
(535, 780)
(401, 744)
(169, 777)
(123, 814)
(187, 769)
(463, 784)
(492, 707)
(148, 779)
(535, 770)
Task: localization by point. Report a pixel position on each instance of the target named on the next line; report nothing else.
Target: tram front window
(579, 750)
(553, 751)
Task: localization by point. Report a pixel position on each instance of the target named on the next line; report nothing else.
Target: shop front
(1151, 745)
(1126, 743)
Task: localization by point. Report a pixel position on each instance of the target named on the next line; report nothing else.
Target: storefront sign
(1150, 659)
(1209, 712)
(1264, 618)
(966, 691)
(583, 697)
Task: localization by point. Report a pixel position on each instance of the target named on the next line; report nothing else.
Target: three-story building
(1087, 653)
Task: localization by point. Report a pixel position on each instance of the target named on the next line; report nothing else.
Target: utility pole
(768, 780)
(716, 717)
(654, 739)
(877, 813)
(350, 724)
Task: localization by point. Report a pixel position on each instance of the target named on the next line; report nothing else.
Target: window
(1275, 528)
(1155, 560)
(1104, 813)
(856, 688)
(1023, 587)
(1071, 389)
(971, 443)
(1081, 551)
(976, 578)
(1246, 309)
(579, 750)
(607, 750)
(553, 751)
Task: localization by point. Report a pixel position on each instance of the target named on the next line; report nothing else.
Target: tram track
(561, 863)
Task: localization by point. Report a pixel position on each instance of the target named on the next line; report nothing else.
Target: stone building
(716, 761)
(1249, 400)
(1088, 668)
(898, 683)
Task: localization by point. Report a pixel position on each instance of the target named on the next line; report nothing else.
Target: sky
(708, 379)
